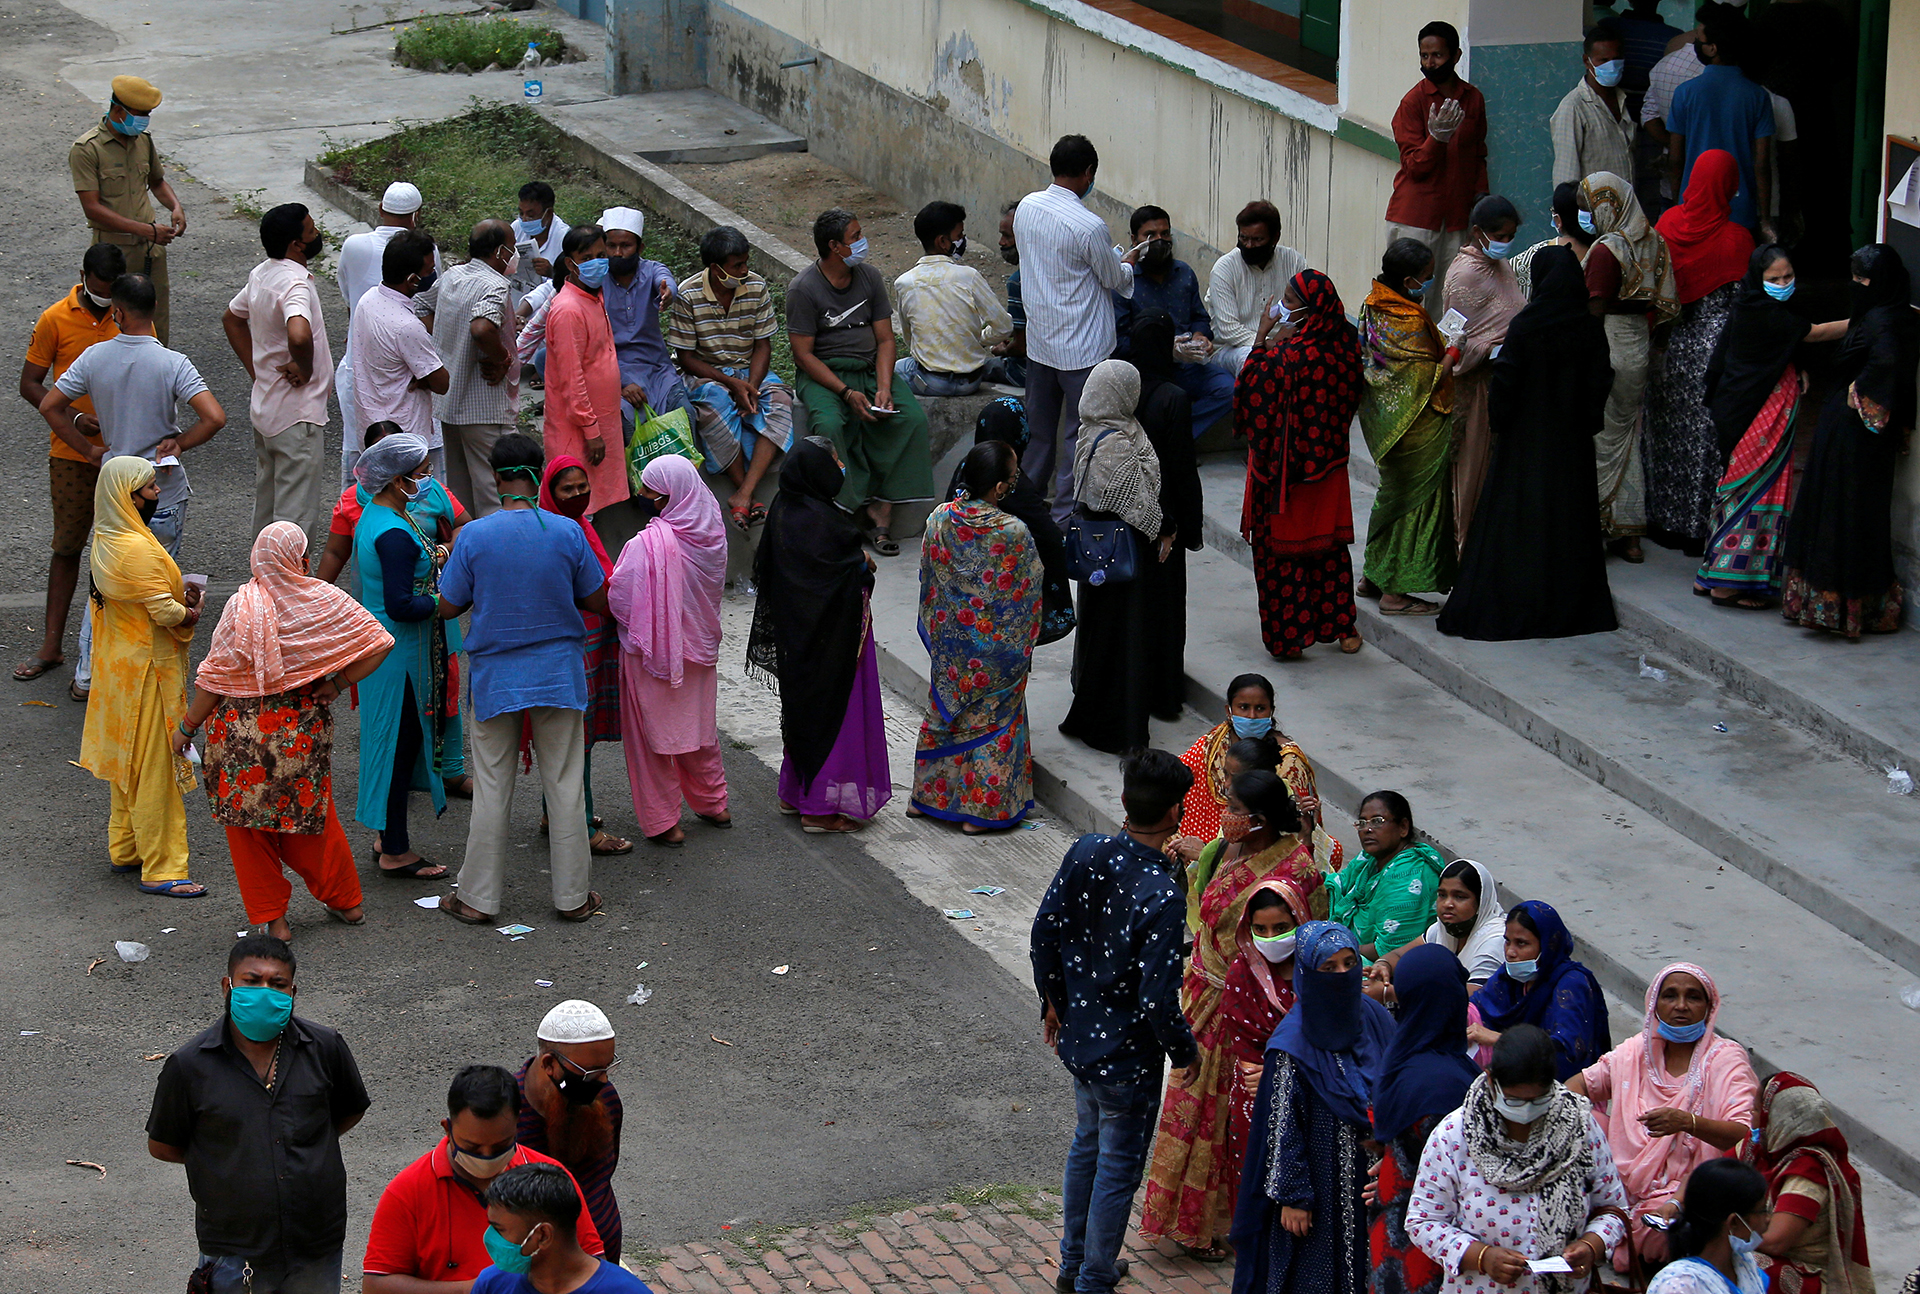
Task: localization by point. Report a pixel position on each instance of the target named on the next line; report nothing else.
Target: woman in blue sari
(405, 704)
(1540, 984)
(1300, 1226)
(980, 594)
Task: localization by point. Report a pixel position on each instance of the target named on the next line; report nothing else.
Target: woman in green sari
(1405, 414)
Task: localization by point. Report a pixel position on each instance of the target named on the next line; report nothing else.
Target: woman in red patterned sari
(1295, 403)
(1259, 993)
(1817, 1241)
(1193, 1178)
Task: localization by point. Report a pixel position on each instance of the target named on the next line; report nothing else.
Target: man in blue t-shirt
(531, 1213)
(526, 574)
(1721, 108)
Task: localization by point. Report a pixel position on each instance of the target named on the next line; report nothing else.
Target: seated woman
(1425, 1077)
(1249, 715)
(1715, 1233)
(1520, 1171)
(1385, 897)
(1540, 984)
(1186, 1196)
(1671, 1097)
(1300, 1223)
(1817, 1240)
(1468, 922)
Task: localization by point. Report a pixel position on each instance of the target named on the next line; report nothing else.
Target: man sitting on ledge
(949, 311)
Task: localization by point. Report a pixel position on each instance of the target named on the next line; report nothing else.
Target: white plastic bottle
(530, 87)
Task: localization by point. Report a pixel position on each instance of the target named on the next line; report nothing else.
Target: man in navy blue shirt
(1162, 283)
(526, 573)
(1722, 108)
(1106, 958)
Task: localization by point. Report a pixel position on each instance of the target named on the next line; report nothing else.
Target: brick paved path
(932, 1249)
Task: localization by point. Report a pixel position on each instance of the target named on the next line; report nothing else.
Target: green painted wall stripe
(1352, 132)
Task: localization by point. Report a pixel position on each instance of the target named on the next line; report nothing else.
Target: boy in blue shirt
(1722, 108)
(531, 1214)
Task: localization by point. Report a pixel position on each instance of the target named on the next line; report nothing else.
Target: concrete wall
(1903, 118)
(654, 44)
(1524, 56)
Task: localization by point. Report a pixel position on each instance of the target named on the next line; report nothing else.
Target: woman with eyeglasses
(1714, 1238)
(1541, 984)
(1386, 898)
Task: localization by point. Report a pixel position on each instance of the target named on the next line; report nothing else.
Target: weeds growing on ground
(1007, 1197)
(477, 42)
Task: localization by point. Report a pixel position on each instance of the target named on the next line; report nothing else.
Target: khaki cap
(137, 93)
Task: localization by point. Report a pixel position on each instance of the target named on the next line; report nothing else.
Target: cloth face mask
(1276, 949)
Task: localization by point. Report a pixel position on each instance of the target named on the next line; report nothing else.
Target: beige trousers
(560, 752)
(286, 477)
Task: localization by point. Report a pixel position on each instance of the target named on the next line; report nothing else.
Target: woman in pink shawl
(1671, 1097)
(665, 594)
(1480, 285)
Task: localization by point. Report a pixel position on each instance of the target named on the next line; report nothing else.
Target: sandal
(1211, 1254)
(593, 907)
(740, 516)
(603, 845)
(33, 669)
(883, 543)
(834, 824)
(176, 889)
(339, 914)
(79, 693)
(459, 911)
(123, 869)
(724, 824)
(756, 513)
(1414, 607)
(1367, 588)
(665, 843)
(1627, 549)
(593, 824)
(420, 869)
(1742, 602)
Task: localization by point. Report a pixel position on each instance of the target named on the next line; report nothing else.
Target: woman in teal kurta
(1386, 895)
(404, 705)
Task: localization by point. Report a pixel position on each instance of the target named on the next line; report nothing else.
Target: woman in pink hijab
(665, 594)
(1671, 1097)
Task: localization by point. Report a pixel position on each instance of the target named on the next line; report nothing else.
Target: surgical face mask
(132, 124)
(1608, 73)
(959, 249)
(1744, 1244)
(1681, 1032)
(1416, 294)
(857, 251)
(102, 302)
(1245, 727)
(1515, 1111)
(1283, 316)
(411, 486)
(1235, 827)
(506, 1255)
(528, 228)
(1778, 291)
(1276, 949)
(1011, 255)
(1523, 971)
(1258, 257)
(513, 263)
(1586, 224)
(483, 1167)
(1499, 251)
(258, 1012)
(623, 265)
(592, 272)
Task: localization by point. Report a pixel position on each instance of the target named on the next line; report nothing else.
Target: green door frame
(1869, 119)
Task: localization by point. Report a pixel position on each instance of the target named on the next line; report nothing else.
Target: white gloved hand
(1444, 118)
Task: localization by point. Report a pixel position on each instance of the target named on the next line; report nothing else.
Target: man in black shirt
(255, 1107)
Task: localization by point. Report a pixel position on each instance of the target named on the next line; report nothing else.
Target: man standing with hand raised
(1441, 130)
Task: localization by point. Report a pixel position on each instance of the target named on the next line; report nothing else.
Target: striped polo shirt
(723, 338)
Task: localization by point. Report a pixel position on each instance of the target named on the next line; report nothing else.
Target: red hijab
(555, 466)
(1709, 251)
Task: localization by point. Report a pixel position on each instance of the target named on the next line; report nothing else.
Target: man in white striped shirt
(1067, 267)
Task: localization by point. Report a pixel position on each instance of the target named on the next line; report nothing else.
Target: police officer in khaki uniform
(117, 173)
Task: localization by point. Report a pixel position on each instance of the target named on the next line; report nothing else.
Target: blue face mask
(528, 228)
(1608, 73)
(593, 273)
(857, 252)
(1681, 1032)
(1523, 971)
(1415, 294)
(258, 1012)
(131, 124)
(1586, 222)
(1245, 727)
(505, 1254)
(1748, 1243)
(1500, 251)
(1781, 291)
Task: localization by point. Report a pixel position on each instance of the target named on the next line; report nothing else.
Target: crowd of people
(1419, 1094)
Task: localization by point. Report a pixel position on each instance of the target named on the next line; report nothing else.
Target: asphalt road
(893, 1061)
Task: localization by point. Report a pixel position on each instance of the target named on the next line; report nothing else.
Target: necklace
(273, 1066)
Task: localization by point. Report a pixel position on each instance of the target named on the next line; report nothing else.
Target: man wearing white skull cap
(572, 1111)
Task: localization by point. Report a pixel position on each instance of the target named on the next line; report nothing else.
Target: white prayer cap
(401, 199)
(575, 1021)
(628, 218)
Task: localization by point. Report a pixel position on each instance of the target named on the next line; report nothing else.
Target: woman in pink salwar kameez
(583, 372)
(665, 594)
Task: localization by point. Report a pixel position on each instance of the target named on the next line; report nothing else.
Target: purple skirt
(855, 780)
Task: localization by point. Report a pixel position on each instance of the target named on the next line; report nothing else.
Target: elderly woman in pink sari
(665, 594)
(1671, 1097)
(1482, 287)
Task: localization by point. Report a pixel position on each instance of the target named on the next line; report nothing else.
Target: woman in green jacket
(1386, 896)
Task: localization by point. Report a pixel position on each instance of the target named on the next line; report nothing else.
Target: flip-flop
(609, 851)
(33, 669)
(1416, 607)
(741, 517)
(882, 542)
(171, 890)
(412, 871)
(592, 908)
(482, 919)
(123, 869)
(756, 513)
(79, 693)
(843, 826)
(662, 841)
(336, 914)
(786, 810)
(453, 787)
(724, 824)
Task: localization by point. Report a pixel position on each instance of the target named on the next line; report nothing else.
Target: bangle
(1480, 1259)
(1693, 1129)
(185, 731)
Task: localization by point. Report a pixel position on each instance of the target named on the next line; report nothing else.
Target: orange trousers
(324, 862)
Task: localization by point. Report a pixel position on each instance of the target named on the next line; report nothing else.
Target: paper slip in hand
(1453, 323)
(1548, 1266)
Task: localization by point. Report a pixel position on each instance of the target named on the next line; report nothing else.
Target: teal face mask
(1781, 291)
(131, 124)
(258, 1012)
(505, 1254)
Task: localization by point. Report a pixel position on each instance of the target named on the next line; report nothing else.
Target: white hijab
(1484, 950)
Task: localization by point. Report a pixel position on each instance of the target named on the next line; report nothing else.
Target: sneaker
(1064, 1284)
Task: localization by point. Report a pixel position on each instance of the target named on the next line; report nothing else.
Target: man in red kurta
(1440, 128)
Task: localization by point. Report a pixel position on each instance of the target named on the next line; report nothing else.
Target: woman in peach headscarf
(143, 619)
(285, 647)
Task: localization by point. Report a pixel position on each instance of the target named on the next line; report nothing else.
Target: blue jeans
(1211, 390)
(924, 381)
(1113, 1131)
(275, 1274)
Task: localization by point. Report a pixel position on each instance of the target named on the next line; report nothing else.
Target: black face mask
(146, 507)
(577, 1090)
(1438, 75)
(312, 249)
(1159, 255)
(1458, 929)
(1011, 255)
(959, 248)
(622, 266)
(1258, 257)
(426, 281)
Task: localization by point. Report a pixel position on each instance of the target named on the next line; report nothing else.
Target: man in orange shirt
(1440, 129)
(67, 327)
(427, 1228)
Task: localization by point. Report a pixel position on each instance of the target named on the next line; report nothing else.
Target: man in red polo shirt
(427, 1228)
(1440, 128)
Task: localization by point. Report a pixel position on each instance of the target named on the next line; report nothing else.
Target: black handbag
(1100, 548)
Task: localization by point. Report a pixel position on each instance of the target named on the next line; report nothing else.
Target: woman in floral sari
(1817, 1241)
(1405, 413)
(1190, 1184)
(980, 594)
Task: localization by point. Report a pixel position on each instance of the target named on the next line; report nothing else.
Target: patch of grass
(246, 205)
(861, 1217)
(1007, 1197)
(477, 42)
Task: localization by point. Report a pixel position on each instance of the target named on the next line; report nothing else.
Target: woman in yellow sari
(1192, 1180)
(143, 619)
(1405, 413)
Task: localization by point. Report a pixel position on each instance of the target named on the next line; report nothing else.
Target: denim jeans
(1211, 390)
(275, 1274)
(924, 381)
(1113, 1132)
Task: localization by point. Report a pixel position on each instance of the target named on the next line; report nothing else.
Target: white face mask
(513, 264)
(1516, 1111)
(102, 302)
(1276, 949)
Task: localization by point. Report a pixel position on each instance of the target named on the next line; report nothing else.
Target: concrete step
(1637, 892)
(1782, 801)
(671, 126)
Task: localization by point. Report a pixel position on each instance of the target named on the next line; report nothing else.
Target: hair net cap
(575, 1020)
(627, 218)
(388, 458)
(401, 199)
